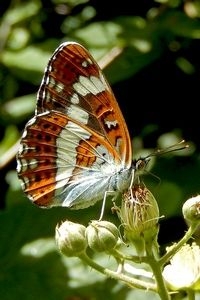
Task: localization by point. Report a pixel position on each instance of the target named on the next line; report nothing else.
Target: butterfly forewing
(77, 146)
(74, 84)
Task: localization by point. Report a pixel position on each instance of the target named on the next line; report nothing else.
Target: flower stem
(191, 295)
(131, 282)
(163, 260)
(157, 271)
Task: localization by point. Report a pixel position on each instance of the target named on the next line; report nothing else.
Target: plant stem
(163, 260)
(157, 271)
(131, 282)
(191, 295)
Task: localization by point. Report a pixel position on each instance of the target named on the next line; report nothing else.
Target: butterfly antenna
(176, 147)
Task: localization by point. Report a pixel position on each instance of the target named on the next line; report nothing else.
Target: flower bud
(102, 235)
(139, 215)
(183, 271)
(70, 238)
(191, 210)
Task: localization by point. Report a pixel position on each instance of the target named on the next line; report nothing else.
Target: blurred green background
(156, 79)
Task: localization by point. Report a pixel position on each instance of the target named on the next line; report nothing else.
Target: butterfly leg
(104, 204)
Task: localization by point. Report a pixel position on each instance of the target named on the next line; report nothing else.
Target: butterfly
(76, 149)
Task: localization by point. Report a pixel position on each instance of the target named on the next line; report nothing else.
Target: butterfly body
(77, 147)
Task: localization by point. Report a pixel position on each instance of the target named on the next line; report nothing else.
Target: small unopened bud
(191, 210)
(102, 236)
(183, 271)
(139, 215)
(70, 238)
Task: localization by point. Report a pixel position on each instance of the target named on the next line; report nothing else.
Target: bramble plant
(136, 252)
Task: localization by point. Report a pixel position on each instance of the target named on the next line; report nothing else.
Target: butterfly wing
(78, 138)
(74, 84)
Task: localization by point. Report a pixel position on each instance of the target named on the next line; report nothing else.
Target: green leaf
(19, 108)
(22, 12)
(28, 63)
